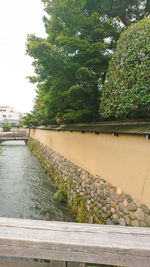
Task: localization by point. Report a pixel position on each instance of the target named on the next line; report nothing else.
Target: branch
(125, 19)
(111, 6)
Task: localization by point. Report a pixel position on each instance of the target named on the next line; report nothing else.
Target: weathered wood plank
(101, 244)
(17, 263)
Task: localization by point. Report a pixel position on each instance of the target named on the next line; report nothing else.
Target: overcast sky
(17, 19)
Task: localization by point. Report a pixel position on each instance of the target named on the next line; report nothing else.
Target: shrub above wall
(126, 92)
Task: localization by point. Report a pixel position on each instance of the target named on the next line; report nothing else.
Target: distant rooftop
(4, 107)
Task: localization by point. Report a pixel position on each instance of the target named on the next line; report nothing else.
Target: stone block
(108, 214)
(99, 205)
(118, 191)
(139, 214)
(132, 215)
(135, 223)
(143, 224)
(121, 206)
(104, 209)
(122, 222)
(115, 218)
(109, 221)
(108, 206)
(112, 210)
(113, 204)
(137, 202)
(128, 198)
(108, 200)
(127, 220)
(132, 206)
(125, 211)
(147, 220)
(145, 209)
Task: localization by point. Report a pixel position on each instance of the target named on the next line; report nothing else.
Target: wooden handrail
(75, 242)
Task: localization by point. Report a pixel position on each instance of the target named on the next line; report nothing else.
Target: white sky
(17, 19)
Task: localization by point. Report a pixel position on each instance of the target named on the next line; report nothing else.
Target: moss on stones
(61, 196)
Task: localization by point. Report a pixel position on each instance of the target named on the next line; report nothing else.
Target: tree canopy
(127, 10)
(71, 63)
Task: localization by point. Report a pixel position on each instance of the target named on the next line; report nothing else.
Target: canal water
(25, 189)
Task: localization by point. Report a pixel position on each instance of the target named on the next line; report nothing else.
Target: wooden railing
(72, 244)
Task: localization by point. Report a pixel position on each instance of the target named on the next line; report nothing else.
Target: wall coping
(113, 127)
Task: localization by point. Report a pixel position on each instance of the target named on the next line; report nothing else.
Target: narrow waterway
(25, 190)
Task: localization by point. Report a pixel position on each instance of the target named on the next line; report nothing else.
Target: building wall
(122, 161)
(9, 114)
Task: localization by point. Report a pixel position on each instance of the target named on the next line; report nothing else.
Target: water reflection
(25, 189)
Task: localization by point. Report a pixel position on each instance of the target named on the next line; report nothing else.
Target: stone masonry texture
(92, 199)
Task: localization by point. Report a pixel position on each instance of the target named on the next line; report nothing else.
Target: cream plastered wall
(123, 161)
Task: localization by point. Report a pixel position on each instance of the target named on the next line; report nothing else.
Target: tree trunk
(125, 19)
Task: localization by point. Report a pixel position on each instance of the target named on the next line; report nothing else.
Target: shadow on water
(25, 190)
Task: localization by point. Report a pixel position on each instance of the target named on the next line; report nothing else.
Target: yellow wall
(124, 161)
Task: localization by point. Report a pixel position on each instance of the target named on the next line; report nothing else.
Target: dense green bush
(126, 92)
(7, 127)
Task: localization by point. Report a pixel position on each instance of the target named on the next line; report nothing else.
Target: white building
(9, 114)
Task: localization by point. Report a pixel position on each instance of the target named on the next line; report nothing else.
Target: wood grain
(75, 242)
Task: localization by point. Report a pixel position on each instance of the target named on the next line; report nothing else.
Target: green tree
(29, 120)
(126, 10)
(126, 92)
(71, 62)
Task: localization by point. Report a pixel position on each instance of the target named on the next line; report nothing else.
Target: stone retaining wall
(92, 199)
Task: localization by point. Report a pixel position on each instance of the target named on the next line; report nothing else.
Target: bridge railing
(72, 244)
(18, 135)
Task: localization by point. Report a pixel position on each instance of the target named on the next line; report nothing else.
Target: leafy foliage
(6, 127)
(126, 92)
(29, 120)
(126, 10)
(70, 62)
